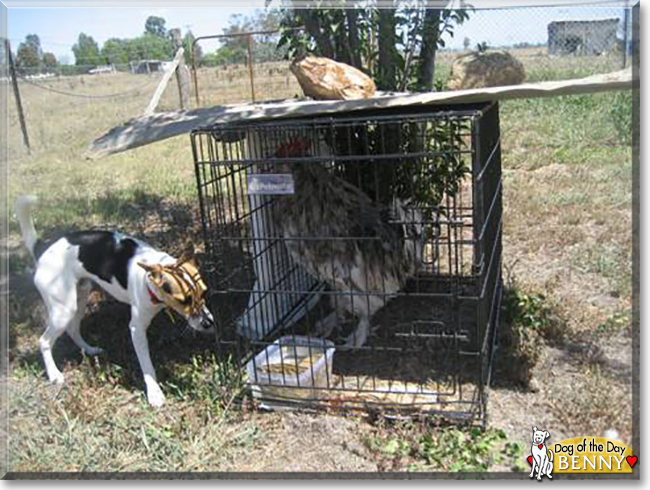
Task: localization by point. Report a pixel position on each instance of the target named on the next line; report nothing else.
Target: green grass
(529, 321)
(617, 322)
(462, 450)
(565, 122)
(444, 449)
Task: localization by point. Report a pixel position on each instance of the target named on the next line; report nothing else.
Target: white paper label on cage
(272, 184)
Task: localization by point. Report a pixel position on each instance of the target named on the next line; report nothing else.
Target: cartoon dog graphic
(542, 457)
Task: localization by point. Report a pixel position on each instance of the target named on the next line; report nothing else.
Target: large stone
(325, 79)
(485, 69)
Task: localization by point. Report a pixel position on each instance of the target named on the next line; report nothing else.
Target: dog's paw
(155, 397)
(57, 379)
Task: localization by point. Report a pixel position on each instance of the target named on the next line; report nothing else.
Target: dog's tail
(24, 206)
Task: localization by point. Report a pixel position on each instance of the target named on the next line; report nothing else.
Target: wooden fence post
(153, 103)
(19, 104)
(182, 72)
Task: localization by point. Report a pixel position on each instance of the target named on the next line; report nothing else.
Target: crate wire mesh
(431, 339)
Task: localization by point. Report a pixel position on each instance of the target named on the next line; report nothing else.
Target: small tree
(155, 26)
(86, 51)
(29, 53)
(49, 61)
(149, 47)
(395, 46)
(187, 46)
(114, 51)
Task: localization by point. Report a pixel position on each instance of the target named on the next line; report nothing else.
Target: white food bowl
(292, 368)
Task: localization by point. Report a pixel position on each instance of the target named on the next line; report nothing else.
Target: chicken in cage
(363, 249)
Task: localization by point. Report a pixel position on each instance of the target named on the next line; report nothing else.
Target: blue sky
(58, 29)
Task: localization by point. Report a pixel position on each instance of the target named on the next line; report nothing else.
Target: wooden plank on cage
(156, 127)
(153, 103)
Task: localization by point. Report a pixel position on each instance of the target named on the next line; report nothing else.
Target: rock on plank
(326, 79)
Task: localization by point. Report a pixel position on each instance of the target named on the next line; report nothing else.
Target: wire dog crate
(354, 261)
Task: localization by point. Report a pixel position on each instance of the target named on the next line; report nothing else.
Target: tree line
(156, 43)
(396, 47)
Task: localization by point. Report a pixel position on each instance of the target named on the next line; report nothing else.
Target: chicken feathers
(339, 235)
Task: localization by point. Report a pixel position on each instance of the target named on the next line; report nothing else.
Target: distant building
(582, 37)
(147, 66)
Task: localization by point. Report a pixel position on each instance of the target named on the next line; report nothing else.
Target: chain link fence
(553, 43)
(255, 71)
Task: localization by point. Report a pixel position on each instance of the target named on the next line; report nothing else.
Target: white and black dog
(130, 270)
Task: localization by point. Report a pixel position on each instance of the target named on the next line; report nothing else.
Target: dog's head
(539, 436)
(181, 287)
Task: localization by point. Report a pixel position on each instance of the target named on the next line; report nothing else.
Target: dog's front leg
(139, 323)
(532, 472)
(540, 467)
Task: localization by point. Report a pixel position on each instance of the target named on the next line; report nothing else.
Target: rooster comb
(296, 147)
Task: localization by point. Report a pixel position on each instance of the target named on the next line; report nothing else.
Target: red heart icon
(631, 460)
(530, 460)
(541, 446)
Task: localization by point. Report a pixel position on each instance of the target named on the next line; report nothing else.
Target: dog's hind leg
(59, 292)
(55, 327)
(74, 328)
(60, 315)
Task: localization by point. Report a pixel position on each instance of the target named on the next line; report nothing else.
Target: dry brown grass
(230, 84)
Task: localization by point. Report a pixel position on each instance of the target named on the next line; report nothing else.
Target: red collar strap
(153, 297)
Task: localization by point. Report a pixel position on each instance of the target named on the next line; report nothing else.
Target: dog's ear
(534, 429)
(151, 267)
(547, 434)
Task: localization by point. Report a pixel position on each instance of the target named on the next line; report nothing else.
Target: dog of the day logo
(578, 455)
(541, 457)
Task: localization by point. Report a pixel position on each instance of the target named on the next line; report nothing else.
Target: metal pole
(221, 36)
(626, 23)
(194, 77)
(19, 104)
(250, 66)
